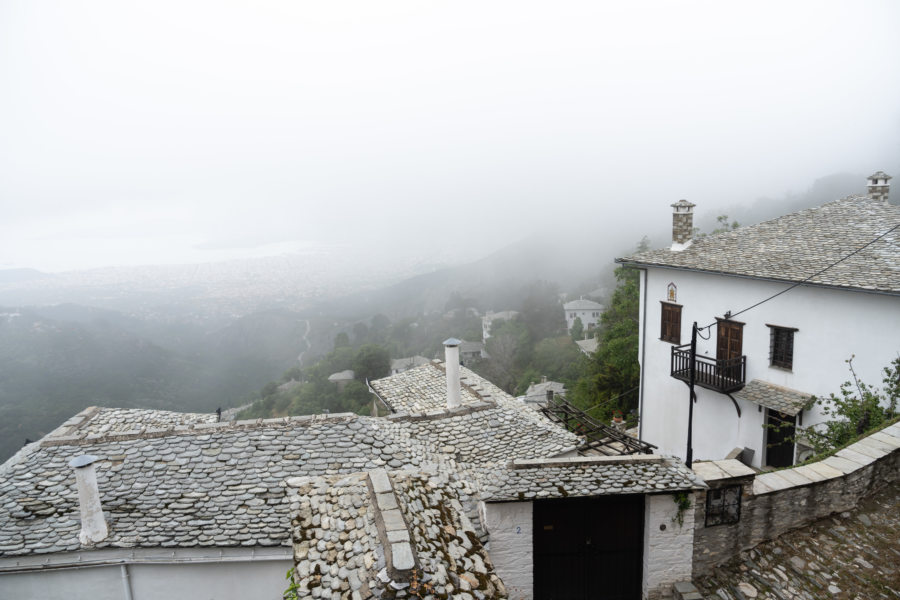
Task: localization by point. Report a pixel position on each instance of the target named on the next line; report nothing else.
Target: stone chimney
(451, 365)
(879, 186)
(93, 525)
(682, 225)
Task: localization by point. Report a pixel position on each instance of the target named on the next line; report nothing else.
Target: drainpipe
(126, 582)
(643, 362)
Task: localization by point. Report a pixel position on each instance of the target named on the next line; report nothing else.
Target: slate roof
(425, 388)
(774, 396)
(588, 476)
(221, 486)
(588, 346)
(351, 537)
(537, 392)
(582, 304)
(794, 247)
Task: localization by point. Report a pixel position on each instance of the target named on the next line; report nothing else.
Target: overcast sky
(156, 132)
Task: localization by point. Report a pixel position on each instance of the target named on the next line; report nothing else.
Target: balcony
(724, 376)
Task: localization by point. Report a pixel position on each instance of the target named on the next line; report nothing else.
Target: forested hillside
(55, 361)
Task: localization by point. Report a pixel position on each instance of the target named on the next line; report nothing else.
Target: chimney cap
(452, 342)
(880, 175)
(683, 202)
(82, 461)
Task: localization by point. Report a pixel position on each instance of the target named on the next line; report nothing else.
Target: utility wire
(729, 314)
(612, 399)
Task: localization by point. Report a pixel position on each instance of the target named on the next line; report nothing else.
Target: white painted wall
(588, 317)
(832, 324)
(668, 553)
(261, 580)
(510, 525)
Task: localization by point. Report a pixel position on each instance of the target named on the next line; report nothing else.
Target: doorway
(779, 439)
(589, 548)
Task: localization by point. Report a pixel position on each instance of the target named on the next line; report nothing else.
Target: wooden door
(729, 344)
(590, 548)
(779, 439)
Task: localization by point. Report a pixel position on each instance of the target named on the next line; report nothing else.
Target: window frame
(781, 346)
(720, 511)
(669, 308)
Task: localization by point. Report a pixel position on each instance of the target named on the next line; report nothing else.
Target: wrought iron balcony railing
(725, 376)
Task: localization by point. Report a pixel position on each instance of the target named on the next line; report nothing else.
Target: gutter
(140, 556)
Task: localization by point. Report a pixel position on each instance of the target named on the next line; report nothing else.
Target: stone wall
(776, 502)
(667, 546)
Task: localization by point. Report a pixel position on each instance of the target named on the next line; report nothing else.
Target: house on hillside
(544, 391)
(342, 378)
(398, 365)
(781, 307)
(587, 310)
(488, 319)
(588, 346)
(471, 351)
(124, 503)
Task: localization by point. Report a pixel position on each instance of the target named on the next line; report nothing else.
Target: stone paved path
(854, 555)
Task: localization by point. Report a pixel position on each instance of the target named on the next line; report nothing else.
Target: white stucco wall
(207, 581)
(588, 317)
(510, 525)
(668, 553)
(832, 325)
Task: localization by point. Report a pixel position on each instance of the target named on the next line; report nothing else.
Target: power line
(729, 314)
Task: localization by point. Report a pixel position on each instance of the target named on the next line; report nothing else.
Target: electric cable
(729, 314)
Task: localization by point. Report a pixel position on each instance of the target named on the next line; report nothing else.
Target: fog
(177, 132)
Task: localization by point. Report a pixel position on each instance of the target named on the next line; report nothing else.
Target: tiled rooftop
(222, 487)
(774, 396)
(583, 476)
(794, 247)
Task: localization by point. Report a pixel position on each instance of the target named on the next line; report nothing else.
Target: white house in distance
(761, 355)
(587, 310)
(488, 319)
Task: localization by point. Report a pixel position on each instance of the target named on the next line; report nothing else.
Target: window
(670, 331)
(723, 505)
(781, 346)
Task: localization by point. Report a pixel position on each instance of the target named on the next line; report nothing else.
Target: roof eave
(646, 265)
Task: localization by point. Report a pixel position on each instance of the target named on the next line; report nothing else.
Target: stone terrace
(853, 555)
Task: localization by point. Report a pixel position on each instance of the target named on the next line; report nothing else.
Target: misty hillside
(576, 262)
(55, 361)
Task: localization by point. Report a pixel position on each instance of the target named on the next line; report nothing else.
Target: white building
(587, 310)
(488, 319)
(760, 355)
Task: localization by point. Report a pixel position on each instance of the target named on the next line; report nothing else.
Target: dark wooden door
(590, 548)
(779, 439)
(729, 344)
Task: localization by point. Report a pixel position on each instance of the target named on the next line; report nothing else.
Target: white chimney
(93, 525)
(879, 186)
(451, 365)
(682, 225)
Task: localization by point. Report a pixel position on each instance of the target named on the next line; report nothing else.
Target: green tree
(371, 362)
(857, 409)
(577, 331)
(613, 374)
(341, 340)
